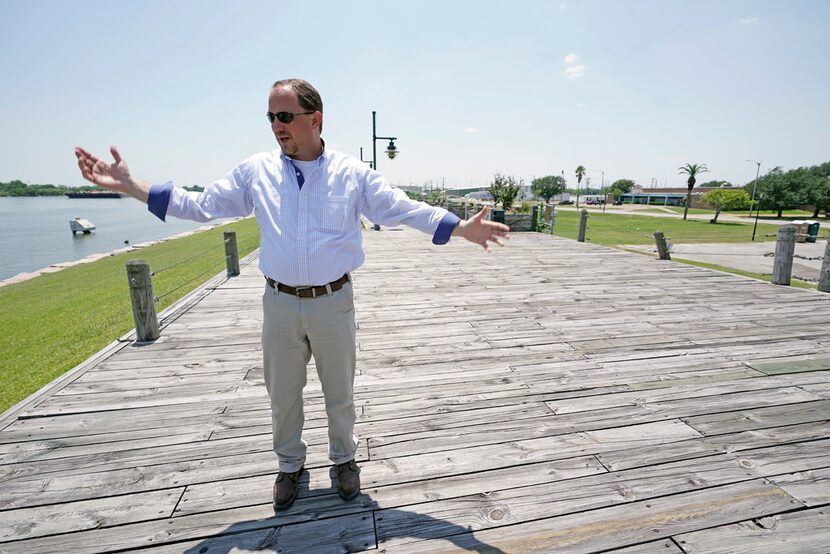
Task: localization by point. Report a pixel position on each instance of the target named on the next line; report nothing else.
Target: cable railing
(140, 280)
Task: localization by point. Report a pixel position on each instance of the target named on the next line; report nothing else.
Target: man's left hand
(482, 231)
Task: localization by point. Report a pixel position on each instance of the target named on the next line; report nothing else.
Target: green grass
(55, 321)
(612, 229)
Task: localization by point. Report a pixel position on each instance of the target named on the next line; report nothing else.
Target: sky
(629, 89)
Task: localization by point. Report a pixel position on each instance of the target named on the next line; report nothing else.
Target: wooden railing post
(552, 221)
(784, 249)
(144, 305)
(583, 224)
(662, 248)
(824, 276)
(231, 254)
(534, 217)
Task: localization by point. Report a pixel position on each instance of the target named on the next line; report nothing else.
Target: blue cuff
(159, 199)
(445, 228)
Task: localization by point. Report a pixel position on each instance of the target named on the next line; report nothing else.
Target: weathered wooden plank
(502, 507)
(41, 490)
(16, 453)
(494, 456)
(243, 492)
(667, 546)
(793, 366)
(627, 524)
(759, 418)
(645, 455)
(790, 533)
(70, 517)
(811, 487)
(437, 440)
(250, 529)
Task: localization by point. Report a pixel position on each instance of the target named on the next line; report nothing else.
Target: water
(34, 231)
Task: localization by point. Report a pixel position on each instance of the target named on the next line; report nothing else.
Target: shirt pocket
(334, 213)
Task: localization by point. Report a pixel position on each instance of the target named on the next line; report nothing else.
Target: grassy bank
(55, 321)
(611, 229)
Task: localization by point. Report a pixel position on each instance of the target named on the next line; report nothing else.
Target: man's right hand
(113, 176)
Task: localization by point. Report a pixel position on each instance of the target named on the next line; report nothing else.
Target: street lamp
(757, 211)
(754, 184)
(391, 150)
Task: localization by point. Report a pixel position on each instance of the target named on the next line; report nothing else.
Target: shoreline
(53, 268)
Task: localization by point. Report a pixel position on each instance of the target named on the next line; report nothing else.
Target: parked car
(566, 203)
(618, 202)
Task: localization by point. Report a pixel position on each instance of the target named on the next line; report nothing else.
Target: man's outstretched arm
(482, 231)
(113, 176)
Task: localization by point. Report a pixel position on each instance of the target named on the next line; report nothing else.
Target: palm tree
(691, 170)
(580, 173)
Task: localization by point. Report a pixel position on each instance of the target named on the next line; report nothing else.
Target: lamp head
(392, 150)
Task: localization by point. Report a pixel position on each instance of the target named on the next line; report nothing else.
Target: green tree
(548, 187)
(505, 189)
(780, 190)
(727, 199)
(816, 190)
(620, 187)
(496, 188)
(580, 173)
(691, 170)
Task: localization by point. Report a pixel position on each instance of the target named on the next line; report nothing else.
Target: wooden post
(534, 225)
(231, 254)
(824, 276)
(552, 217)
(583, 224)
(662, 248)
(784, 249)
(144, 305)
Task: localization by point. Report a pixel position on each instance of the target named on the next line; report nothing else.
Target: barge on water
(94, 194)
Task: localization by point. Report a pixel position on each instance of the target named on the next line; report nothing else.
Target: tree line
(19, 188)
(781, 190)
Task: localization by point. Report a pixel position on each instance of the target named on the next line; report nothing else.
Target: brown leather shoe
(285, 489)
(348, 480)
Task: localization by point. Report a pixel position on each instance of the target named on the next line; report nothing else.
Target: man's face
(299, 139)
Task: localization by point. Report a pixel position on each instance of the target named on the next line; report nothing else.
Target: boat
(94, 194)
(79, 225)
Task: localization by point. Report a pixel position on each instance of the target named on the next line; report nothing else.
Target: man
(308, 200)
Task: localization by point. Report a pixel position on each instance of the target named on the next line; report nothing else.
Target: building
(666, 196)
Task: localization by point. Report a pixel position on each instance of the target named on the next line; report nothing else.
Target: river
(34, 231)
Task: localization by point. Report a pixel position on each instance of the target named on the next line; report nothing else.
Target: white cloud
(750, 20)
(563, 6)
(472, 130)
(575, 71)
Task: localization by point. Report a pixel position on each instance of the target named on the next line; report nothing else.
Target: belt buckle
(299, 290)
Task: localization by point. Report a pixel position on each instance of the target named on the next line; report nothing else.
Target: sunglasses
(284, 117)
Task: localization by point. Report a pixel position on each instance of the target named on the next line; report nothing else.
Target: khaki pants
(293, 330)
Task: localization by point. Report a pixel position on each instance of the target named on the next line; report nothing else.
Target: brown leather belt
(309, 292)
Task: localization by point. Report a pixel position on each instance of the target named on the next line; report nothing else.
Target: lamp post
(757, 211)
(391, 150)
(754, 184)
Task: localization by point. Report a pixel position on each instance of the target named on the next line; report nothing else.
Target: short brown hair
(307, 95)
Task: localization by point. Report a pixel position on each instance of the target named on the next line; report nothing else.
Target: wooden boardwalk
(551, 397)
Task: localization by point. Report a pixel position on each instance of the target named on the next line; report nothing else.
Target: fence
(140, 280)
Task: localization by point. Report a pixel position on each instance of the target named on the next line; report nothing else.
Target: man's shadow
(350, 526)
